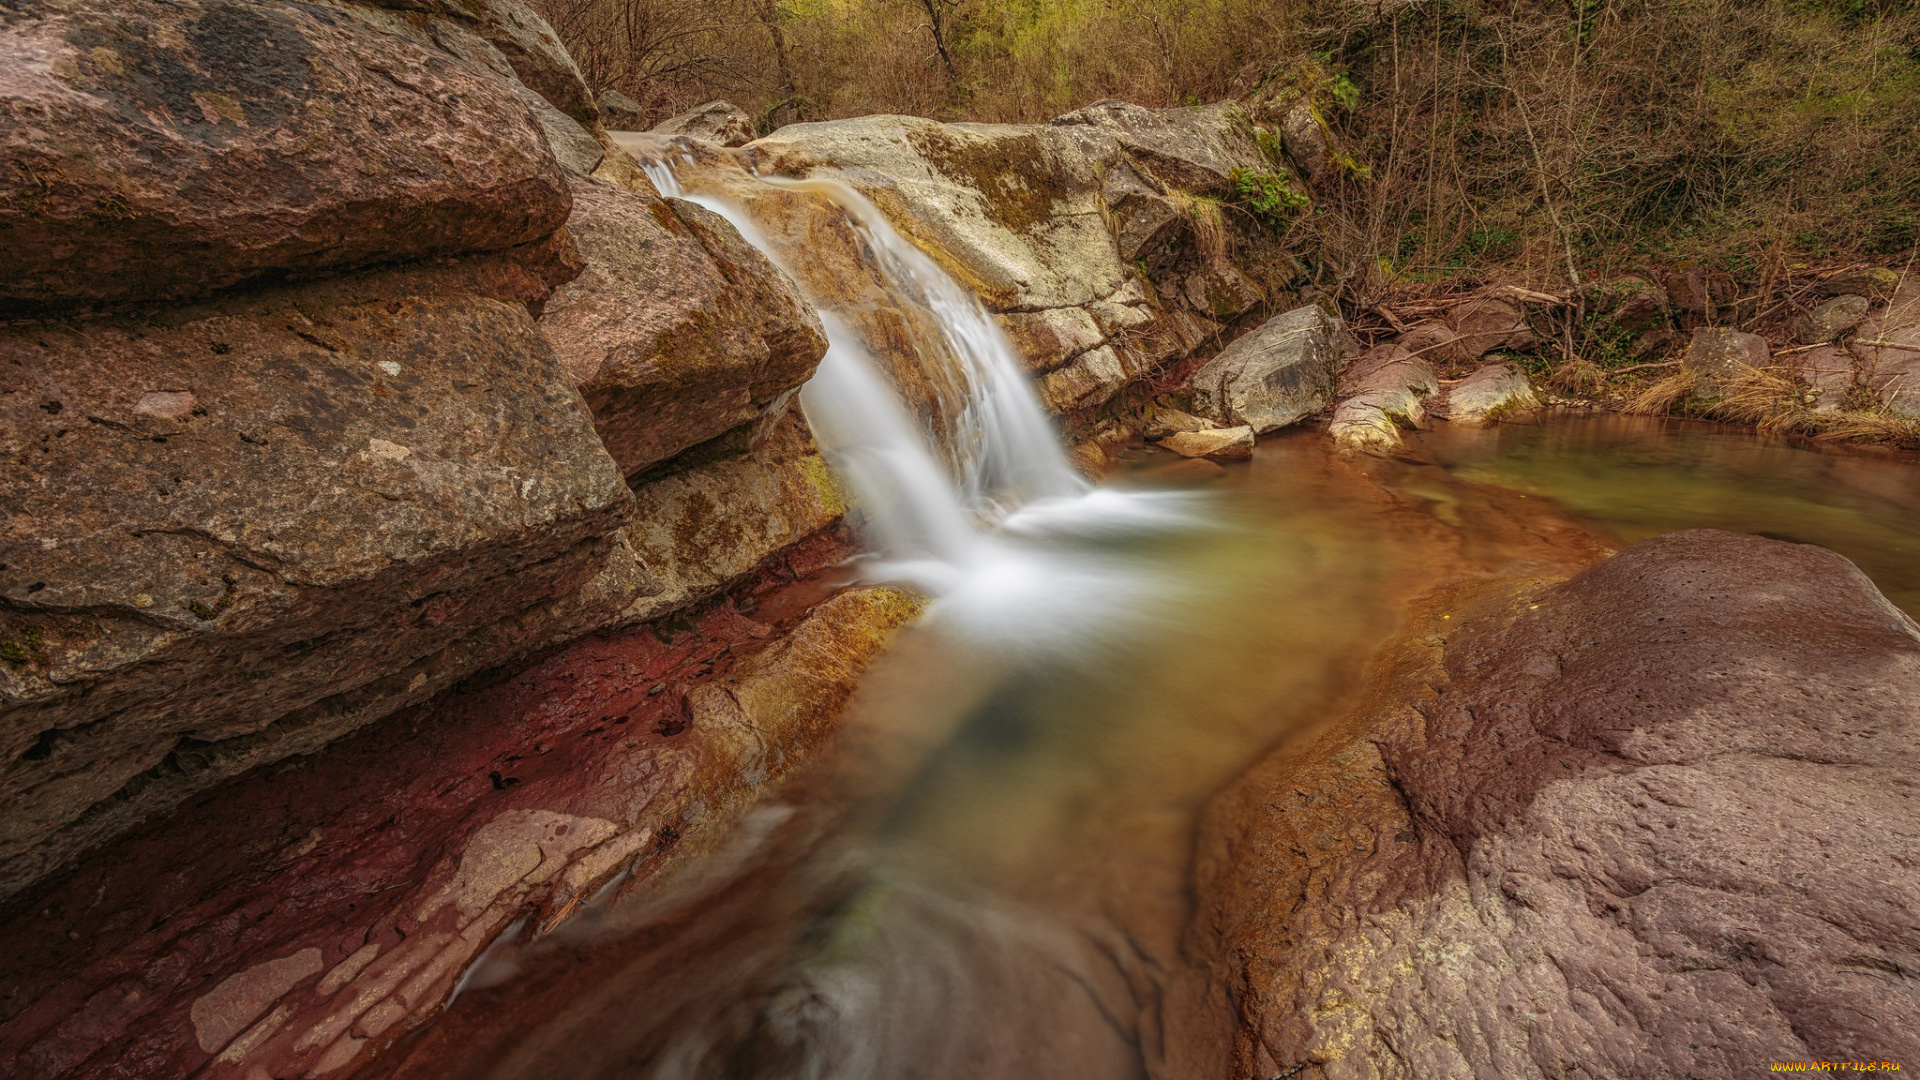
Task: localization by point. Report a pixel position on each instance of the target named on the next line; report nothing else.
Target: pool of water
(987, 874)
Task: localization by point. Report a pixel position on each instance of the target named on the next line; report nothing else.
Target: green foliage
(18, 650)
(1269, 197)
(1346, 92)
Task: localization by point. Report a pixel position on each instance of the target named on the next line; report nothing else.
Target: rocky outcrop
(1279, 373)
(719, 122)
(398, 854)
(1492, 392)
(534, 52)
(677, 331)
(160, 151)
(1651, 821)
(621, 113)
(245, 528)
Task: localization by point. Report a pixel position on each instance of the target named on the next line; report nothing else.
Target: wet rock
(160, 151)
(1277, 374)
(1831, 319)
(621, 113)
(1493, 392)
(1226, 444)
(1384, 390)
(517, 800)
(677, 331)
(1164, 421)
(1888, 347)
(526, 41)
(1875, 283)
(1678, 779)
(248, 527)
(1487, 323)
(1717, 356)
(704, 529)
(1047, 339)
(718, 122)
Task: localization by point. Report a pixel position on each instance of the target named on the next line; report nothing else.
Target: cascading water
(981, 510)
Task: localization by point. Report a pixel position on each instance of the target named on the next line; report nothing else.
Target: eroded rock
(528, 44)
(161, 150)
(246, 528)
(1218, 443)
(1680, 780)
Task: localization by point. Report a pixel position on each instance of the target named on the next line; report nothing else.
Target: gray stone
(1088, 381)
(1275, 375)
(1718, 355)
(621, 113)
(1493, 392)
(1888, 346)
(1831, 319)
(1047, 339)
(719, 122)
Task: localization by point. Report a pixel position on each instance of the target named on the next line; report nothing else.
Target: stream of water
(987, 875)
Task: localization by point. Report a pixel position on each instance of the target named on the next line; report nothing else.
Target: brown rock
(1488, 323)
(169, 150)
(1875, 283)
(1088, 381)
(1629, 314)
(1234, 443)
(677, 331)
(1384, 391)
(1680, 780)
(621, 113)
(382, 482)
(1275, 375)
(720, 122)
(526, 41)
(1220, 292)
(1717, 356)
(1434, 342)
(1888, 345)
(1699, 294)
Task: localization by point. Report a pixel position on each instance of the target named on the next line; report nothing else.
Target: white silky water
(978, 509)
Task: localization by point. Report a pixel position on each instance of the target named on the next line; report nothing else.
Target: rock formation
(1650, 821)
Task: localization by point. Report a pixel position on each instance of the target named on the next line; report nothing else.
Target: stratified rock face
(720, 122)
(1654, 821)
(678, 331)
(245, 528)
(163, 150)
(1282, 372)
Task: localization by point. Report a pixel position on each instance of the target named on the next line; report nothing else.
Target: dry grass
(1660, 396)
(1206, 220)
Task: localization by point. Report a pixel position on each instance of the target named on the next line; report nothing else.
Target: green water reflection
(1639, 477)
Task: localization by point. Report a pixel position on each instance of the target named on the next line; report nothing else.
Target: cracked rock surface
(1655, 820)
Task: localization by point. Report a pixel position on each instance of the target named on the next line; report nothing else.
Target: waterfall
(980, 510)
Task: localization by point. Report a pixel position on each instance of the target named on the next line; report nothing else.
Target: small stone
(1220, 443)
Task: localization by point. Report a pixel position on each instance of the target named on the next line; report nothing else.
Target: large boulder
(1282, 372)
(677, 331)
(1831, 319)
(166, 150)
(241, 529)
(720, 122)
(621, 113)
(1383, 391)
(1653, 821)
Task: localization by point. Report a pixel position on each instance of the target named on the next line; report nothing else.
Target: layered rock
(677, 331)
(159, 151)
(1651, 821)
